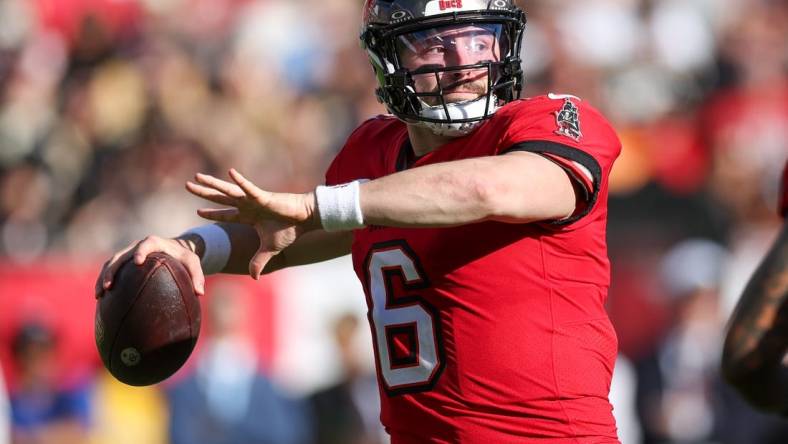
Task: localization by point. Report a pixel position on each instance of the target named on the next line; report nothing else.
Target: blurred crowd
(108, 106)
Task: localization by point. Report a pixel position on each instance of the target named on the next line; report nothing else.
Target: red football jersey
(784, 194)
(492, 332)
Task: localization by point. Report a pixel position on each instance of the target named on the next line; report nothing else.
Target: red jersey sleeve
(784, 193)
(571, 133)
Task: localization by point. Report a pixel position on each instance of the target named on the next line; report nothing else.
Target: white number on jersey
(405, 326)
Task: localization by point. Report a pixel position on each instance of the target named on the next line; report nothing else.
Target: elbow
(494, 200)
(487, 196)
(505, 202)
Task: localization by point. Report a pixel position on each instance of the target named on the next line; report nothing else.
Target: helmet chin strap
(467, 109)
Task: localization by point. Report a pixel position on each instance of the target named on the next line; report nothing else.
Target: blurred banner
(58, 294)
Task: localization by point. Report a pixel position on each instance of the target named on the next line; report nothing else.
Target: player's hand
(180, 249)
(278, 218)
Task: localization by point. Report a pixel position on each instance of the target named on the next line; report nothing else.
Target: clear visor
(451, 46)
(452, 63)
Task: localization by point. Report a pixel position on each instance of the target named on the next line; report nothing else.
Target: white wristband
(340, 206)
(217, 247)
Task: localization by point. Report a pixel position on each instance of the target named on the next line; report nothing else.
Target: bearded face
(442, 59)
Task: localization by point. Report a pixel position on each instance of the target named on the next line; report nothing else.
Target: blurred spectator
(745, 126)
(348, 411)
(688, 358)
(753, 358)
(741, 423)
(42, 412)
(227, 400)
(689, 403)
(128, 415)
(5, 414)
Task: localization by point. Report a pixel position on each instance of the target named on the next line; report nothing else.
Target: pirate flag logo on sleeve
(568, 121)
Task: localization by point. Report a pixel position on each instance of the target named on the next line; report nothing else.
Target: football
(147, 323)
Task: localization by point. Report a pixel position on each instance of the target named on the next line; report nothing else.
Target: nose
(459, 55)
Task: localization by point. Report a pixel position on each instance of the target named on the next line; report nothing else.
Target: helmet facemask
(447, 73)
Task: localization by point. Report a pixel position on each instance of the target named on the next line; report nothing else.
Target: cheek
(411, 61)
(406, 62)
(424, 83)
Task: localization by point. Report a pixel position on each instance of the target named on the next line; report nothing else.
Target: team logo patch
(568, 121)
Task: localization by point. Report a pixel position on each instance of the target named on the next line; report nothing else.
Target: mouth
(465, 87)
(463, 91)
(458, 96)
(450, 98)
(459, 91)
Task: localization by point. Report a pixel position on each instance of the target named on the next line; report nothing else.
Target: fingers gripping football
(139, 251)
(178, 249)
(104, 281)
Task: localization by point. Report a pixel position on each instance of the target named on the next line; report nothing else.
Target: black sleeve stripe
(567, 152)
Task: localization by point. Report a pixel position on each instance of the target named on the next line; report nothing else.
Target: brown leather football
(147, 324)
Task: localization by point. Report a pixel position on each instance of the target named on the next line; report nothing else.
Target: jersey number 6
(406, 327)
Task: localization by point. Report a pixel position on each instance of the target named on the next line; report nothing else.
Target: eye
(433, 47)
(480, 45)
(434, 50)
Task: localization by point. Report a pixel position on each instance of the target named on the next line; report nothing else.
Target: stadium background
(108, 106)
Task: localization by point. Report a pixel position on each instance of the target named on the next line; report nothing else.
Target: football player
(476, 223)
(753, 359)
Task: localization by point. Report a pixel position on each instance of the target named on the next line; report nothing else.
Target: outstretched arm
(517, 187)
(312, 247)
(757, 340)
(189, 248)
